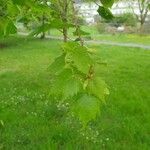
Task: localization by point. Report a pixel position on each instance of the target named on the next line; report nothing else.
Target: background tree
(143, 9)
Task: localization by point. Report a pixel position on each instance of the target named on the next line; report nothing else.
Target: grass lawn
(30, 119)
(125, 38)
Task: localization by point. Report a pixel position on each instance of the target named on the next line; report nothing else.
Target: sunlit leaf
(79, 55)
(98, 87)
(87, 108)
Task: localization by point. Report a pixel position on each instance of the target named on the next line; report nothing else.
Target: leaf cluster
(74, 80)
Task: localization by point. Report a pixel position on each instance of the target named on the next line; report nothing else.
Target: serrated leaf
(57, 65)
(79, 55)
(105, 13)
(98, 87)
(87, 108)
(71, 88)
(107, 3)
(65, 84)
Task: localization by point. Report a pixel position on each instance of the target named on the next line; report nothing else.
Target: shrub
(126, 19)
(101, 27)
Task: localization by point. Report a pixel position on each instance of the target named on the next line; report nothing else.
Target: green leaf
(59, 82)
(65, 84)
(79, 56)
(57, 65)
(58, 24)
(107, 3)
(23, 19)
(71, 88)
(19, 2)
(40, 29)
(10, 28)
(80, 32)
(105, 13)
(7, 27)
(23, 2)
(98, 88)
(87, 108)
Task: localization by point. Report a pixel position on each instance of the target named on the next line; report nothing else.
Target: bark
(65, 34)
(65, 20)
(43, 23)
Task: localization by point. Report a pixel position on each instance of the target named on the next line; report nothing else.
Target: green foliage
(98, 88)
(32, 121)
(72, 73)
(105, 13)
(19, 2)
(75, 80)
(7, 15)
(80, 32)
(107, 3)
(100, 27)
(127, 19)
(87, 107)
(7, 27)
(58, 65)
(78, 55)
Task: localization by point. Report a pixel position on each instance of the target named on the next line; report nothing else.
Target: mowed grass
(31, 119)
(125, 38)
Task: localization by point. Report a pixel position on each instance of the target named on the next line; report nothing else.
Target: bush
(126, 19)
(101, 27)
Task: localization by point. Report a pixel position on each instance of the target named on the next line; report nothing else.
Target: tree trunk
(43, 23)
(65, 34)
(141, 25)
(65, 20)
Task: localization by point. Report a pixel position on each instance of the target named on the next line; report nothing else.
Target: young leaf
(87, 108)
(80, 32)
(105, 13)
(71, 88)
(60, 81)
(58, 65)
(79, 55)
(98, 87)
(65, 84)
